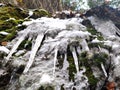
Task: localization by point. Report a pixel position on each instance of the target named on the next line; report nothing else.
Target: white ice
(34, 51)
(4, 49)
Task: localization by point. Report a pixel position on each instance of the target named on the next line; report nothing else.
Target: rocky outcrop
(105, 12)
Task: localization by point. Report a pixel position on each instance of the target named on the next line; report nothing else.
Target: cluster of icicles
(50, 36)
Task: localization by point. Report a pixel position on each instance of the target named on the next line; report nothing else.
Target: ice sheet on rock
(45, 79)
(73, 34)
(107, 28)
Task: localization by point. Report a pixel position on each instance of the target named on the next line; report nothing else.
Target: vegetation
(11, 16)
(40, 13)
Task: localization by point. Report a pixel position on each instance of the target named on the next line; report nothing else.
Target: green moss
(83, 59)
(1, 37)
(100, 37)
(85, 62)
(4, 17)
(21, 27)
(99, 58)
(10, 36)
(92, 45)
(25, 45)
(91, 78)
(92, 31)
(19, 21)
(40, 13)
(41, 88)
(7, 24)
(99, 44)
(46, 88)
(13, 12)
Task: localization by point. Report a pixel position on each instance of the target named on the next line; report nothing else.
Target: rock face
(105, 12)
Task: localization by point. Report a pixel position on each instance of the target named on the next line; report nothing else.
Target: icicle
(103, 68)
(75, 59)
(79, 49)
(33, 52)
(65, 63)
(55, 60)
(4, 49)
(16, 46)
(84, 45)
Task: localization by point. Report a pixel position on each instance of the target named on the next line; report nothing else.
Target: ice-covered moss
(89, 63)
(93, 45)
(99, 58)
(84, 61)
(99, 44)
(94, 32)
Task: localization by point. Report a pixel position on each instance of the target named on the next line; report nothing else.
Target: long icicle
(103, 68)
(16, 46)
(34, 51)
(66, 64)
(55, 60)
(75, 59)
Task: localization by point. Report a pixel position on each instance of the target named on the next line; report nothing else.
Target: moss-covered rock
(11, 35)
(40, 13)
(10, 17)
(12, 12)
(87, 63)
(7, 24)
